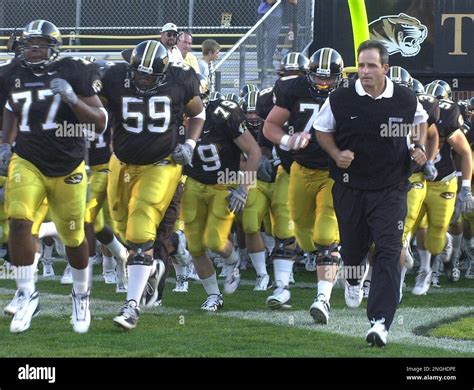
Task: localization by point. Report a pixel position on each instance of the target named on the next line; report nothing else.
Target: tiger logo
(400, 33)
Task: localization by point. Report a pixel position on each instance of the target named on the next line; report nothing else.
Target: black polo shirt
(375, 129)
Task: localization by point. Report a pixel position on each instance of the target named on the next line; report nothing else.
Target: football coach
(372, 129)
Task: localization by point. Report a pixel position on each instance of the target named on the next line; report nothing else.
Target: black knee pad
(281, 250)
(325, 255)
(140, 259)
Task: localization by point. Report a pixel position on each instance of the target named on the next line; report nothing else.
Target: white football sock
(325, 287)
(108, 263)
(283, 268)
(425, 257)
(258, 261)
(137, 278)
(210, 284)
(180, 270)
(80, 280)
(117, 249)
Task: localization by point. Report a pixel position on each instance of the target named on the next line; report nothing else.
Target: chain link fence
(105, 27)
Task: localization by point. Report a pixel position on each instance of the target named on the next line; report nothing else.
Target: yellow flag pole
(360, 25)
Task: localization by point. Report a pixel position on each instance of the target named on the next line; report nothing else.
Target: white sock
(25, 278)
(180, 270)
(232, 259)
(117, 249)
(80, 280)
(283, 268)
(268, 241)
(108, 263)
(425, 257)
(47, 229)
(258, 261)
(457, 239)
(210, 284)
(325, 287)
(137, 277)
(47, 251)
(91, 270)
(402, 278)
(369, 273)
(435, 266)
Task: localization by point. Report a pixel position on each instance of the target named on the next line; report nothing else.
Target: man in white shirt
(169, 38)
(370, 164)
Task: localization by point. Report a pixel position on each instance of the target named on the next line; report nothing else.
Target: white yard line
(350, 322)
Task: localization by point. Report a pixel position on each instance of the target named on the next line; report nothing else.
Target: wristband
(284, 140)
(190, 142)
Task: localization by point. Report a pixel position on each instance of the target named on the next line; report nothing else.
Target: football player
(293, 64)
(147, 97)
(258, 202)
(298, 99)
(441, 199)
(99, 225)
(46, 96)
(212, 197)
(417, 192)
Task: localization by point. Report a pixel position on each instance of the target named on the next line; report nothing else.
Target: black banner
(428, 38)
(120, 372)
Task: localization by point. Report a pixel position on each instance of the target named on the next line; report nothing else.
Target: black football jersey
(431, 106)
(49, 135)
(216, 157)
(99, 148)
(145, 129)
(5, 70)
(450, 120)
(265, 103)
(296, 95)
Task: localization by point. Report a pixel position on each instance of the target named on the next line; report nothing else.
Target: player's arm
(196, 114)
(459, 143)
(9, 132)
(88, 109)
(273, 126)
(280, 113)
(273, 130)
(247, 144)
(91, 110)
(432, 142)
(9, 127)
(238, 196)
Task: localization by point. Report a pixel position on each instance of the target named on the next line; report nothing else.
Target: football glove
(430, 171)
(265, 170)
(237, 199)
(63, 88)
(465, 199)
(183, 154)
(5, 156)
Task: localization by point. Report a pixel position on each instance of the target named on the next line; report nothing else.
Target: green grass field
(245, 327)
